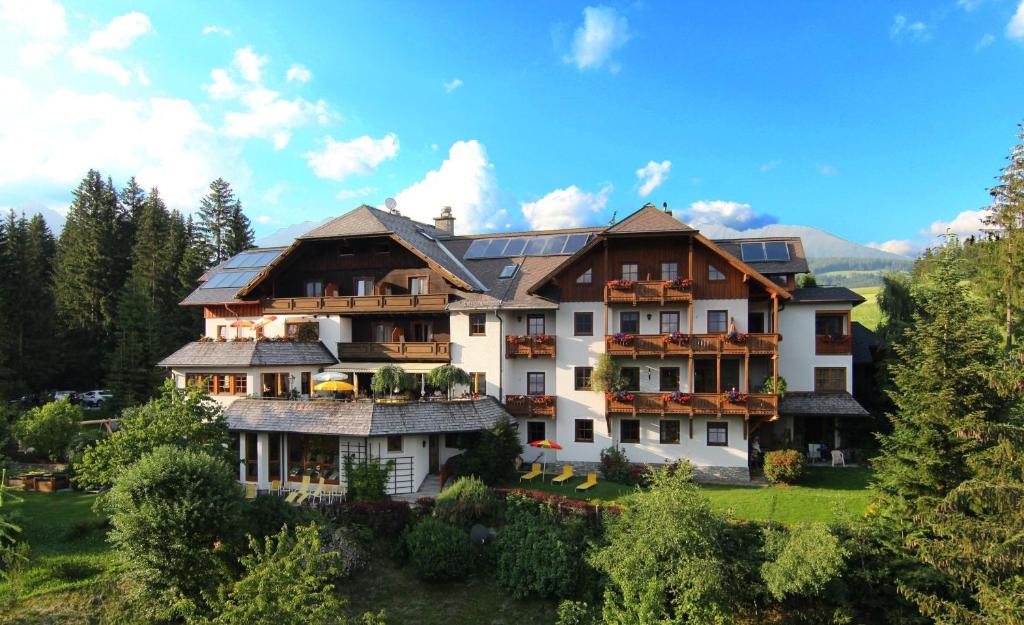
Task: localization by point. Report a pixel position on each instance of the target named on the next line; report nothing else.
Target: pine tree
(215, 213)
(1006, 217)
(240, 236)
(193, 263)
(132, 198)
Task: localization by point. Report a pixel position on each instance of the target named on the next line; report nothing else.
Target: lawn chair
(565, 476)
(314, 494)
(838, 459)
(535, 470)
(275, 487)
(292, 496)
(589, 483)
(250, 490)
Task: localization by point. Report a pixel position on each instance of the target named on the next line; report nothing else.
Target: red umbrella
(545, 444)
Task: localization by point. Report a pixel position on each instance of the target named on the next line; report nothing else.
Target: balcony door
(422, 331)
(386, 332)
(364, 286)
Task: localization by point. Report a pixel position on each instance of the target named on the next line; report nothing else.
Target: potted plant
(620, 396)
(738, 338)
(735, 397)
(682, 284)
(541, 339)
(621, 338)
(679, 397)
(676, 337)
(621, 285)
(770, 387)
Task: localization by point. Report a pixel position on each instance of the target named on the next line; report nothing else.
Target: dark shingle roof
(826, 294)
(865, 344)
(249, 354)
(363, 418)
(797, 262)
(821, 404)
(649, 219)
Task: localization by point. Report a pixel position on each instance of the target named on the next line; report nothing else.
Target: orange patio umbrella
(545, 444)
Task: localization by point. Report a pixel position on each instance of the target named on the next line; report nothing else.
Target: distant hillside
(284, 236)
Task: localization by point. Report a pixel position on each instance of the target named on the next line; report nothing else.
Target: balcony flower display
(737, 338)
(621, 285)
(682, 284)
(678, 397)
(676, 337)
(620, 396)
(836, 338)
(541, 339)
(735, 397)
(541, 400)
(622, 338)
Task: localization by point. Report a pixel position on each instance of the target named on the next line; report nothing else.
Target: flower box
(737, 339)
(735, 397)
(622, 338)
(621, 396)
(676, 337)
(683, 284)
(677, 397)
(621, 285)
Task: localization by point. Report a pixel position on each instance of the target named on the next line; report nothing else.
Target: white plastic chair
(837, 458)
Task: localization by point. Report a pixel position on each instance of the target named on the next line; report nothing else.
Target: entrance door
(435, 450)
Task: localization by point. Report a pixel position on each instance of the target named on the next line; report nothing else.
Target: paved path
(431, 487)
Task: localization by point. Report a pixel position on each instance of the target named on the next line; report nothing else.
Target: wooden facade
(401, 351)
(222, 311)
(662, 345)
(531, 405)
(529, 347)
(760, 404)
(372, 304)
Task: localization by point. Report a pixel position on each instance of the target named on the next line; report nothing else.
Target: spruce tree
(1006, 217)
(132, 198)
(215, 212)
(240, 236)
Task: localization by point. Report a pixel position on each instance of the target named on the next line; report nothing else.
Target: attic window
(508, 271)
(714, 274)
(586, 277)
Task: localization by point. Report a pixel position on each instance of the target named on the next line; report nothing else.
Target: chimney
(446, 222)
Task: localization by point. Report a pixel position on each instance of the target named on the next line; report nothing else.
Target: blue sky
(879, 122)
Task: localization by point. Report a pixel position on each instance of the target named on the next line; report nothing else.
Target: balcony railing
(639, 291)
(761, 404)
(529, 346)
(663, 345)
(832, 344)
(432, 351)
(531, 405)
(435, 302)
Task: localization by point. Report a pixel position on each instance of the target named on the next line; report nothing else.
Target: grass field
(868, 313)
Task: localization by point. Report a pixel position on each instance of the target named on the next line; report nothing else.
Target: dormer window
(508, 271)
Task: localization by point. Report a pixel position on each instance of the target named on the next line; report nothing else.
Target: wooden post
(604, 290)
(746, 370)
(775, 355)
(693, 284)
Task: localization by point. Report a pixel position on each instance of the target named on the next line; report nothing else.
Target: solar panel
(495, 248)
(515, 247)
(476, 248)
(752, 252)
(763, 251)
(535, 246)
(215, 280)
(251, 259)
(504, 247)
(575, 243)
(776, 250)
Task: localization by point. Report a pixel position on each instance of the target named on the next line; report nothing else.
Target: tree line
(98, 305)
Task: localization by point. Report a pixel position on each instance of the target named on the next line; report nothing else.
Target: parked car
(95, 399)
(71, 396)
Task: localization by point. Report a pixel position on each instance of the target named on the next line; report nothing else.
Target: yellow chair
(535, 470)
(590, 482)
(566, 475)
(292, 496)
(275, 487)
(250, 490)
(314, 494)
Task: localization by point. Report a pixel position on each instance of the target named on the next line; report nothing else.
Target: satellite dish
(390, 203)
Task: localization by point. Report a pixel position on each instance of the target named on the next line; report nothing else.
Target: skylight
(508, 271)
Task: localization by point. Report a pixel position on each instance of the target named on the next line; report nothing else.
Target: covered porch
(816, 424)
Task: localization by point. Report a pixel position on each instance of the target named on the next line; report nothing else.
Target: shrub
(607, 375)
(367, 478)
(491, 454)
(267, 514)
(49, 429)
(438, 551)
(170, 512)
(577, 613)
(615, 465)
(386, 519)
(538, 552)
(783, 467)
(801, 561)
(466, 502)
(351, 555)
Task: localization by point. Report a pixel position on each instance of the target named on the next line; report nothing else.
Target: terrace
(350, 304)
(640, 291)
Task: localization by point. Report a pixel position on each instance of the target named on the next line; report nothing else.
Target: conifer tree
(240, 236)
(1006, 217)
(215, 213)
(132, 198)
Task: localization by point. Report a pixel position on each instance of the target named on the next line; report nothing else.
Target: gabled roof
(647, 220)
(249, 354)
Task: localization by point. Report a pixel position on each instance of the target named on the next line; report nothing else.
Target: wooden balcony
(531, 405)
(760, 404)
(663, 345)
(354, 304)
(529, 346)
(646, 291)
(400, 351)
(829, 344)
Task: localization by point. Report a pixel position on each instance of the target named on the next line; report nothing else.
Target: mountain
(817, 243)
(284, 236)
(52, 218)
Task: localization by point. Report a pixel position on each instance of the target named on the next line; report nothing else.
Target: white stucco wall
(797, 359)
(696, 450)
(479, 353)
(737, 309)
(577, 351)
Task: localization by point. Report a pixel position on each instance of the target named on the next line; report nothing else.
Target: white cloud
(603, 31)
(466, 182)
(265, 219)
(1015, 29)
(828, 170)
(217, 30)
(348, 194)
(903, 247)
(249, 63)
(38, 53)
(299, 73)
(902, 28)
(37, 19)
(736, 215)
(452, 85)
(968, 5)
(223, 87)
(652, 175)
(571, 207)
(120, 33)
(964, 224)
(770, 165)
(986, 40)
(361, 156)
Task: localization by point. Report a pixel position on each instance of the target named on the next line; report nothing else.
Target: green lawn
(868, 313)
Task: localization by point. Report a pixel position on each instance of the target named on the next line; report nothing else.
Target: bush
(386, 519)
(466, 502)
(438, 551)
(267, 514)
(345, 543)
(801, 561)
(783, 467)
(170, 512)
(367, 479)
(577, 613)
(49, 429)
(615, 465)
(538, 551)
(491, 454)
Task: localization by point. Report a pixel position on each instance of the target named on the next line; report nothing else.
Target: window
(583, 323)
(629, 431)
(629, 322)
(535, 431)
(364, 286)
(669, 322)
(582, 377)
(222, 332)
(630, 378)
(668, 379)
(668, 431)
(314, 288)
(584, 430)
(454, 440)
(535, 383)
(394, 444)
(218, 383)
(274, 457)
(251, 464)
(315, 456)
(718, 321)
(241, 383)
(669, 271)
(306, 382)
(478, 324)
(718, 434)
(418, 285)
(508, 271)
(830, 324)
(275, 384)
(586, 277)
(829, 379)
(714, 275)
(478, 383)
(535, 324)
(292, 328)
(630, 271)
(755, 322)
